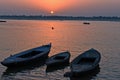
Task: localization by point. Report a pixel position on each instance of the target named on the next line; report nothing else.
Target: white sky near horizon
(61, 7)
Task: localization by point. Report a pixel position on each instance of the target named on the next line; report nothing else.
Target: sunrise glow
(60, 7)
(55, 5)
(52, 12)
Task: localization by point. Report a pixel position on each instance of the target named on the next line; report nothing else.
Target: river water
(74, 36)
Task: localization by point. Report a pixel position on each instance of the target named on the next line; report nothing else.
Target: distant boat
(86, 23)
(3, 21)
(28, 56)
(59, 59)
(85, 62)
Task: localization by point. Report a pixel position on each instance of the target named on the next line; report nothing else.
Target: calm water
(20, 35)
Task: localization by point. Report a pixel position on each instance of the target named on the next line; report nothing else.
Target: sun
(51, 12)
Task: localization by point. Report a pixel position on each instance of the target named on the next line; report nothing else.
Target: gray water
(20, 35)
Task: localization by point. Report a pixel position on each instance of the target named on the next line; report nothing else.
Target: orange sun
(51, 12)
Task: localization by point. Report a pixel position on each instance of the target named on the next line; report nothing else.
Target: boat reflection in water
(87, 76)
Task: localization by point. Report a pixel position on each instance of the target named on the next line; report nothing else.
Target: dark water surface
(20, 35)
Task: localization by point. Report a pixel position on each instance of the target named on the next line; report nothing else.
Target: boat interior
(86, 60)
(60, 57)
(31, 54)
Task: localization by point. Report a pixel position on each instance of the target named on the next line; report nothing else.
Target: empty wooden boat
(85, 62)
(2, 21)
(59, 59)
(86, 23)
(28, 56)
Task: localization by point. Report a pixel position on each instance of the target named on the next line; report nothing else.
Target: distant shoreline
(82, 18)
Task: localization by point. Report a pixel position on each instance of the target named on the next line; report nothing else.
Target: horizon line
(59, 16)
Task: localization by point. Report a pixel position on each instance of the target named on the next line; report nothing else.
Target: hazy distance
(60, 7)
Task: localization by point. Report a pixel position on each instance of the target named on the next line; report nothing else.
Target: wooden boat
(28, 56)
(86, 23)
(59, 59)
(3, 21)
(85, 63)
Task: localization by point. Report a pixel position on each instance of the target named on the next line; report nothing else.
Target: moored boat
(2, 21)
(59, 59)
(86, 23)
(28, 56)
(85, 62)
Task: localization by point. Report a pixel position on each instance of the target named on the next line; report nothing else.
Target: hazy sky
(61, 7)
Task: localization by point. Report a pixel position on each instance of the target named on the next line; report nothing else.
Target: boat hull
(28, 57)
(62, 63)
(85, 63)
(58, 60)
(27, 62)
(84, 73)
